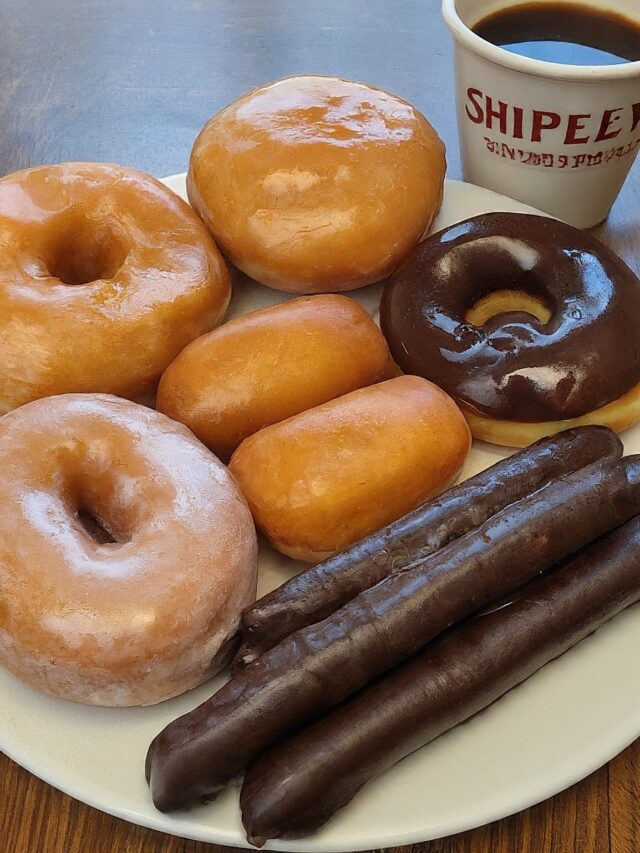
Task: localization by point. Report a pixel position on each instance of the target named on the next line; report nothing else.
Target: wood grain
(132, 81)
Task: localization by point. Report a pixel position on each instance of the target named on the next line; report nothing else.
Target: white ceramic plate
(569, 719)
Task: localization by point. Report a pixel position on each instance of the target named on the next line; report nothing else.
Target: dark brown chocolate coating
(299, 784)
(514, 367)
(316, 668)
(318, 591)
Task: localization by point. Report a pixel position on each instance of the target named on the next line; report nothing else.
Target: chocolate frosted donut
(575, 349)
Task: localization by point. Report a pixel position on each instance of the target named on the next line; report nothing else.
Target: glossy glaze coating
(618, 415)
(325, 478)
(266, 366)
(314, 669)
(105, 275)
(515, 367)
(298, 785)
(320, 590)
(315, 184)
(137, 618)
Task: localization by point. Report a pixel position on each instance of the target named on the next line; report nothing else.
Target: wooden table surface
(132, 81)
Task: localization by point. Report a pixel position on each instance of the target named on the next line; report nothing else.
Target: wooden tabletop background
(132, 81)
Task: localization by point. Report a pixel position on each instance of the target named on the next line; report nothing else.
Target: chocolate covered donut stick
(299, 784)
(314, 669)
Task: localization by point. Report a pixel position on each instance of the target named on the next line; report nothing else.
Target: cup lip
(526, 65)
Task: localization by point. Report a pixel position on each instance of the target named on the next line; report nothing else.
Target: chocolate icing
(318, 591)
(316, 668)
(515, 367)
(299, 784)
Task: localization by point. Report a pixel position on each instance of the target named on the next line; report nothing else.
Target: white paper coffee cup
(559, 137)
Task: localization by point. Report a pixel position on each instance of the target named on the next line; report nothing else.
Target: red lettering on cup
(500, 114)
(539, 123)
(608, 118)
(518, 115)
(474, 96)
(485, 109)
(575, 124)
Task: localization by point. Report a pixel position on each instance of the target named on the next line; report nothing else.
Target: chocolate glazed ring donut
(529, 323)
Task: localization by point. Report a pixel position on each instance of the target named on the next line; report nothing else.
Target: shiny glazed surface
(618, 415)
(138, 619)
(271, 364)
(515, 367)
(300, 783)
(314, 184)
(318, 667)
(325, 478)
(105, 275)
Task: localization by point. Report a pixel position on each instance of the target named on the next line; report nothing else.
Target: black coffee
(561, 32)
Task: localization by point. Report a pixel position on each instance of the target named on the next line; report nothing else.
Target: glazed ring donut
(127, 552)
(531, 325)
(317, 184)
(105, 276)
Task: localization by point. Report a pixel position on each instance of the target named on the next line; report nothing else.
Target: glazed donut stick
(299, 784)
(318, 591)
(314, 669)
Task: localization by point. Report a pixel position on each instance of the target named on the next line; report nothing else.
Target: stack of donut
(143, 440)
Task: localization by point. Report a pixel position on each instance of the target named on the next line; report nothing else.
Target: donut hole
(104, 511)
(505, 302)
(86, 251)
(95, 527)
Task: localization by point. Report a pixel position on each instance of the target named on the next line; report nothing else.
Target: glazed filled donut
(105, 275)
(531, 325)
(326, 478)
(127, 552)
(316, 184)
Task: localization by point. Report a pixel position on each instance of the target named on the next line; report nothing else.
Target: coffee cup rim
(526, 65)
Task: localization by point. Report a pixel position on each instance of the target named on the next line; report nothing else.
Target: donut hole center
(505, 302)
(96, 528)
(85, 252)
(103, 513)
